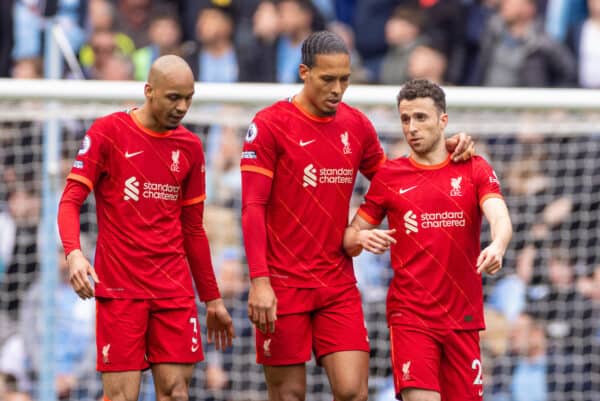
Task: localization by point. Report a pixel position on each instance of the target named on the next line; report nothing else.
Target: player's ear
(443, 120)
(148, 90)
(303, 71)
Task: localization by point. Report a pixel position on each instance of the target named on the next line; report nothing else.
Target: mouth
(332, 103)
(174, 119)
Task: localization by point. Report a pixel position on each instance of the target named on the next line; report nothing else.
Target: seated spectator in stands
(583, 41)
(102, 46)
(273, 51)
(427, 62)
(403, 33)
(297, 19)
(215, 58)
(27, 68)
(258, 45)
(529, 375)
(74, 318)
(165, 38)
(360, 74)
(28, 25)
(517, 52)
(117, 68)
(132, 18)
(101, 15)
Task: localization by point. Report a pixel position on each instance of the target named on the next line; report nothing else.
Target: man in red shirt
(147, 172)
(299, 165)
(434, 209)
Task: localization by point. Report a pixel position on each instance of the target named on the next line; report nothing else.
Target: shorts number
(195, 344)
(476, 365)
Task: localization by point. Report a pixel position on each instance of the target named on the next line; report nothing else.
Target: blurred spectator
(165, 38)
(215, 59)
(103, 45)
(74, 350)
(567, 315)
(6, 36)
(28, 68)
(101, 16)
(359, 72)
(583, 41)
(24, 209)
(427, 62)
(529, 375)
(117, 68)
(562, 15)
(517, 52)
(258, 50)
(478, 13)
(403, 33)
(132, 18)
(509, 295)
(223, 180)
(297, 22)
(28, 25)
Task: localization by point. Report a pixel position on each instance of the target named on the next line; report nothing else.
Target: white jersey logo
(310, 176)
(405, 190)
(105, 350)
(346, 143)
(410, 222)
(305, 143)
(128, 155)
(455, 183)
(406, 371)
(175, 161)
(267, 347)
(132, 190)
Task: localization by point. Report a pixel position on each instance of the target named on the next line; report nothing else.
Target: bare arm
(490, 259)
(360, 235)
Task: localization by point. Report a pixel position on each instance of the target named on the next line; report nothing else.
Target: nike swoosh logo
(128, 155)
(302, 143)
(405, 190)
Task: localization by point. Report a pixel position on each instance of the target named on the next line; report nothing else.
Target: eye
(173, 97)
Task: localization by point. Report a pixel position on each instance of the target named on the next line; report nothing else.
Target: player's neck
(431, 158)
(145, 118)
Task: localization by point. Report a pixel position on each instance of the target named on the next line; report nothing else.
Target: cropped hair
(322, 42)
(423, 88)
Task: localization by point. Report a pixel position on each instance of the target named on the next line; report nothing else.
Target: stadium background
(543, 335)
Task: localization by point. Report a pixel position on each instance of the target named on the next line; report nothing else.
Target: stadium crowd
(542, 341)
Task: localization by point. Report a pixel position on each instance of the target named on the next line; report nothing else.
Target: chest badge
(175, 161)
(346, 142)
(455, 183)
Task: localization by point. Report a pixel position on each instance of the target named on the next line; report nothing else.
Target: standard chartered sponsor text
(443, 219)
(154, 190)
(335, 175)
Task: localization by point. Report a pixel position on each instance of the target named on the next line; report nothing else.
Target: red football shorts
(446, 361)
(131, 334)
(324, 320)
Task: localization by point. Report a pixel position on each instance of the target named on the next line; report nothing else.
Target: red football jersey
(141, 180)
(313, 163)
(437, 216)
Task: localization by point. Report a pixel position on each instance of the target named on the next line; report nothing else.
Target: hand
(219, 326)
(79, 270)
(461, 146)
(262, 304)
(490, 259)
(375, 240)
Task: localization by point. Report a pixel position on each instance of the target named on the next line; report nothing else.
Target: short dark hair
(322, 42)
(422, 88)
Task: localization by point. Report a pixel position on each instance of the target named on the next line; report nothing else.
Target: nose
(337, 88)
(412, 126)
(182, 105)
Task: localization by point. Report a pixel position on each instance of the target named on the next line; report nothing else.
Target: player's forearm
(501, 231)
(352, 244)
(72, 198)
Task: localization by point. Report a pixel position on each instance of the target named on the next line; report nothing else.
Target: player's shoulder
(187, 135)
(393, 166)
(274, 111)
(352, 112)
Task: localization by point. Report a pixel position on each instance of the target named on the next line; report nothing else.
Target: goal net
(542, 309)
